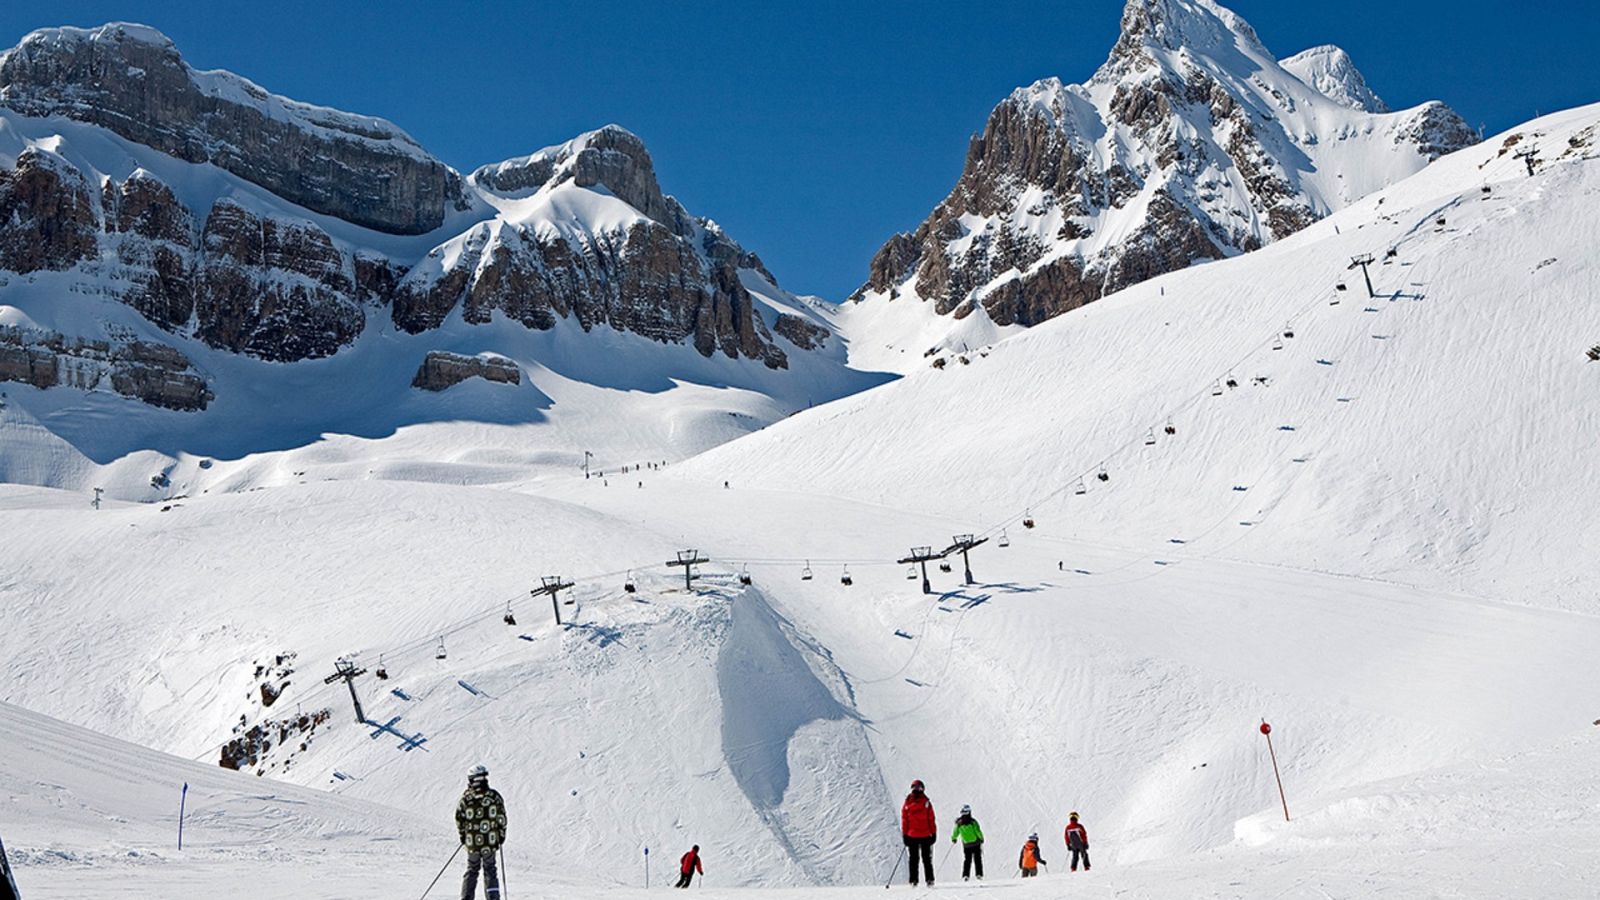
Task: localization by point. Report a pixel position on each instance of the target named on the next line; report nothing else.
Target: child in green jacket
(971, 837)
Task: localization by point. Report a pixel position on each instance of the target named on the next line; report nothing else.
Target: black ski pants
(1083, 853)
(484, 859)
(972, 858)
(922, 847)
(686, 879)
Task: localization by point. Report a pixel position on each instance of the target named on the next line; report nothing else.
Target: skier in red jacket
(688, 865)
(1078, 842)
(918, 829)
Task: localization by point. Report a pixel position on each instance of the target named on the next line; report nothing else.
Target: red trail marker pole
(1266, 730)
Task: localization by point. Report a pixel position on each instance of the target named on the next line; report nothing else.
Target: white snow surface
(1330, 70)
(1410, 607)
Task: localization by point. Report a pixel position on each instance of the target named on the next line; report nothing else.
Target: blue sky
(811, 131)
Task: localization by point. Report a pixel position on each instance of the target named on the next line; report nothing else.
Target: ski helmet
(477, 773)
(966, 809)
(1034, 836)
(1072, 816)
(916, 785)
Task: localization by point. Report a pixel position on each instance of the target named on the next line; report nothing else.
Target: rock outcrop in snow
(1190, 143)
(154, 373)
(441, 369)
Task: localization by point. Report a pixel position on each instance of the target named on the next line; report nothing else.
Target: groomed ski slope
(1410, 610)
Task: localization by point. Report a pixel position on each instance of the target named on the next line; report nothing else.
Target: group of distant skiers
(919, 829)
(481, 825)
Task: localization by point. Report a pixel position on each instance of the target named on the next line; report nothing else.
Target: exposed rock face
(154, 373)
(131, 80)
(47, 220)
(441, 370)
(274, 289)
(1190, 143)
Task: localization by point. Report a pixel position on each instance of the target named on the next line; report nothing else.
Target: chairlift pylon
(805, 574)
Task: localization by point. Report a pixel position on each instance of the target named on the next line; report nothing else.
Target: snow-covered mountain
(194, 266)
(1191, 142)
(1377, 537)
(232, 218)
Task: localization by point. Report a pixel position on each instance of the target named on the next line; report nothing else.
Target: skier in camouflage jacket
(481, 823)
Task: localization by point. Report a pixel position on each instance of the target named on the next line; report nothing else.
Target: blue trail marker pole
(183, 801)
(647, 867)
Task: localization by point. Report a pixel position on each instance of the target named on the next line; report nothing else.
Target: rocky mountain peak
(1330, 70)
(1172, 25)
(612, 158)
(1190, 143)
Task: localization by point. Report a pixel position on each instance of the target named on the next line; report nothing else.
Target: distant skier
(689, 865)
(919, 830)
(971, 835)
(481, 824)
(1030, 860)
(1077, 842)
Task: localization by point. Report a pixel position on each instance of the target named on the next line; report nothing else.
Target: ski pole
(505, 880)
(441, 872)
(898, 860)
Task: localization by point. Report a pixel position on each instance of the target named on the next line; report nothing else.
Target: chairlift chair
(805, 574)
(628, 586)
(1005, 540)
(381, 671)
(744, 576)
(1169, 429)
(1216, 390)
(508, 618)
(1081, 488)
(845, 578)
(944, 565)
(1340, 287)
(439, 653)
(1277, 344)
(1103, 475)
(911, 573)
(1288, 330)
(1027, 519)
(1150, 438)
(1232, 382)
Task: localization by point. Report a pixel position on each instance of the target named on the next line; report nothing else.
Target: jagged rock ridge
(1190, 143)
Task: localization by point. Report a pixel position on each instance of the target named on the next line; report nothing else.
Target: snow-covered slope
(1440, 432)
(1191, 143)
